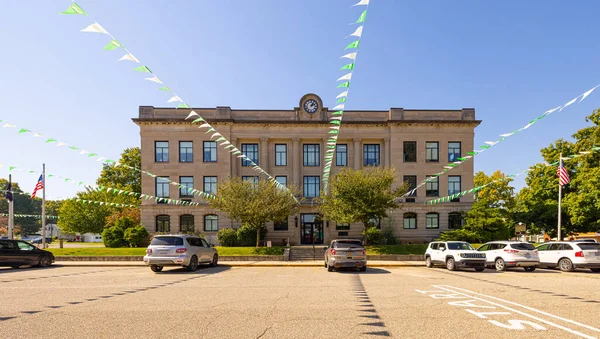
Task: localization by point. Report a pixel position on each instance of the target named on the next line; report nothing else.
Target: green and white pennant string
(37, 216)
(224, 142)
(335, 121)
(478, 188)
(504, 136)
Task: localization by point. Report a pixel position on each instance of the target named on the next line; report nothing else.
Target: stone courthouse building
(290, 145)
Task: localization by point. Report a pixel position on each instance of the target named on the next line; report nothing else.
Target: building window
(161, 151)
(252, 179)
(280, 155)
(251, 151)
(311, 155)
(455, 220)
(186, 223)
(432, 186)
(163, 223)
(432, 151)
(454, 186)
(210, 185)
(211, 223)
(312, 185)
(280, 225)
(370, 155)
(187, 185)
(453, 150)
(410, 221)
(412, 184)
(342, 227)
(186, 151)
(282, 179)
(341, 155)
(162, 189)
(432, 220)
(410, 151)
(210, 151)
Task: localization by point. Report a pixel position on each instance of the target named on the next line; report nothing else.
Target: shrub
(137, 236)
(372, 235)
(246, 235)
(124, 223)
(387, 236)
(113, 237)
(460, 235)
(227, 237)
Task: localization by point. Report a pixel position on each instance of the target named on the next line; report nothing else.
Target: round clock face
(311, 105)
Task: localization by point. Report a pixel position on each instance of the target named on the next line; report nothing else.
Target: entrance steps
(298, 253)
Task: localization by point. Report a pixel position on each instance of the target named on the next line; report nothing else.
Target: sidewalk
(311, 263)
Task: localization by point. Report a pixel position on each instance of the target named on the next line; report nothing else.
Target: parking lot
(295, 302)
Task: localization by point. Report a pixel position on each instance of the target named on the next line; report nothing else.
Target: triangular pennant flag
(353, 45)
(74, 9)
(165, 88)
(507, 134)
(51, 140)
(568, 103)
(94, 28)
(114, 44)
(351, 56)
(345, 77)
(344, 84)
(144, 69)
(174, 98)
(348, 67)
(362, 17)
(588, 93)
(9, 125)
(183, 106)
(341, 100)
(24, 130)
(200, 119)
(129, 56)
(153, 79)
(341, 95)
(338, 113)
(60, 143)
(357, 33)
(212, 129)
(37, 135)
(338, 107)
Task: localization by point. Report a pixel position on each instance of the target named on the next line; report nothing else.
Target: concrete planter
(394, 257)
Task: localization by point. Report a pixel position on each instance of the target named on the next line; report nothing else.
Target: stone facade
(387, 134)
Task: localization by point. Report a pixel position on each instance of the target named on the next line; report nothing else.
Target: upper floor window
(453, 184)
(432, 187)
(432, 220)
(280, 155)
(211, 223)
(186, 223)
(453, 151)
(282, 179)
(410, 151)
(187, 185)
(432, 151)
(251, 151)
(210, 151)
(412, 184)
(210, 185)
(186, 151)
(162, 188)
(163, 223)
(341, 155)
(455, 220)
(312, 186)
(252, 179)
(410, 220)
(161, 151)
(371, 155)
(311, 155)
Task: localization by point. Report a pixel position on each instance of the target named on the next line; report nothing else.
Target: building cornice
(280, 123)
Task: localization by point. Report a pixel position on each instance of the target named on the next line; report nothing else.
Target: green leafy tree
(136, 236)
(124, 176)
(361, 195)
(254, 204)
(78, 217)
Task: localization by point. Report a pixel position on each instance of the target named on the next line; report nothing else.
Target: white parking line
(450, 289)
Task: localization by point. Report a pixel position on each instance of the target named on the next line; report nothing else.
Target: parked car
(17, 253)
(345, 253)
(454, 254)
(584, 240)
(179, 250)
(570, 255)
(504, 254)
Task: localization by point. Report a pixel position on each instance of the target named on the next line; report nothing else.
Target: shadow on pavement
(369, 270)
(200, 270)
(25, 269)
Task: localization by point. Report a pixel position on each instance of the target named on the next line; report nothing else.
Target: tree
(78, 217)
(361, 195)
(124, 176)
(254, 204)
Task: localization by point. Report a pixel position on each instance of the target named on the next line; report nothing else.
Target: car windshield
(589, 246)
(523, 246)
(347, 244)
(459, 246)
(167, 241)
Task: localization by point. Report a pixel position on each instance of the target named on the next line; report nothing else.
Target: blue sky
(510, 60)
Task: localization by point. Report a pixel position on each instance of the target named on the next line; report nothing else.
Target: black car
(17, 253)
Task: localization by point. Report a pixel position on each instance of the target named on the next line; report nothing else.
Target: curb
(228, 264)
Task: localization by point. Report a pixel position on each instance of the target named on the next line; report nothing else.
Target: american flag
(563, 176)
(38, 186)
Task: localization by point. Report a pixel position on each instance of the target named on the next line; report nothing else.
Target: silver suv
(454, 254)
(179, 250)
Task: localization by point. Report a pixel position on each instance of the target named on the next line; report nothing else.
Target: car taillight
(579, 254)
(333, 252)
(536, 251)
(511, 251)
(364, 252)
(148, 251)
(181, 250)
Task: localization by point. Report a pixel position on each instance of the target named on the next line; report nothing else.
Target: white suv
(570, 255)
(179, 250)
(454, 254)
(504, 254)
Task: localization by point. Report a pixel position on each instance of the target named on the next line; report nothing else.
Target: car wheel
(215, 261)
(325, 264)
(566, 265)
(479, 269)
(44, 261)
(363, 269)
(500, 265)
(15, 266)
(193, 264)
(450, 264)
(329, 268)
(529, 269)
(595, 270)
(428, 262)
(156, 268)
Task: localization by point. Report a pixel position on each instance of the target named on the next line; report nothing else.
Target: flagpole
(44, 206)
(11, 212)
(558, 237)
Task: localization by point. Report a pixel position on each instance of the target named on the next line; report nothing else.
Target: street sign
(520, 228)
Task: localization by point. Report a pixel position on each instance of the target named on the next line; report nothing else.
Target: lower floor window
(186, 223)
(342, 227)
(410, 220)
(432, 220)
(280, 225)
(211, 223)
(163, 223)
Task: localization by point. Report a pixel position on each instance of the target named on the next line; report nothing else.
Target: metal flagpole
(11, 212)
(558, 237)
(44, 206)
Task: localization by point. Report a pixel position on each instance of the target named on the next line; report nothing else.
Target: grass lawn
(141, 251)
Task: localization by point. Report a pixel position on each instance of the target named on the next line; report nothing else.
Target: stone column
(357, 154)
(295, 161)
(264, 154)
(234, 159)
(387, 151)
